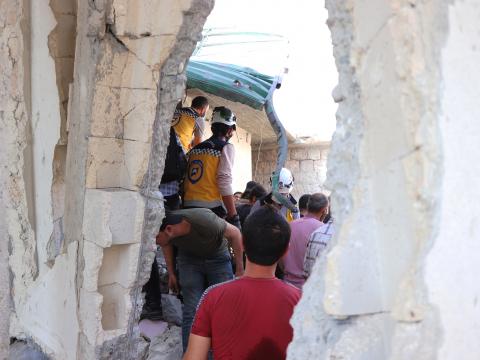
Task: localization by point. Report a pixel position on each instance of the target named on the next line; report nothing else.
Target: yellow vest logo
(176, 118)
(195, 171)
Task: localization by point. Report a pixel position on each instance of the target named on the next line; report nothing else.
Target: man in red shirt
(248, 318)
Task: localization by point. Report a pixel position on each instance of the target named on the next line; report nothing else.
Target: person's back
(293, 260)
(249, 317)
(301, 230)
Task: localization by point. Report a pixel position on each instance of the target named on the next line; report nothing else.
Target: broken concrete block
(54, 293)
(114, 163)
(168, 346)
(106, 115)
(140, 19)
(90, 316)
(93, 255)
(123, 113)
(115, 306)
(119, 265)
(172, 309)
(22, 350)
(105, 163)
(96, 217)
(137, 155)
(137, 107)
(113, 216)
(152, 51)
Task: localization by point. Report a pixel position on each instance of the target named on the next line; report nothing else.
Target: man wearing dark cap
(203, 258)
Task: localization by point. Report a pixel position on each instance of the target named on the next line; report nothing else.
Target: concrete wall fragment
(17, 234)
(452, 265)
(368, 293)
(131, 74)
(86, 176)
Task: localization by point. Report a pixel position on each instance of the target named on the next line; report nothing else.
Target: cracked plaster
(384, 170)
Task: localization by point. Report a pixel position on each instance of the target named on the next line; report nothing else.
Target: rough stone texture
(306, 162)
(17, 235)
(168, 346)
(454, 288)
(84, 173)
(21, 350)
(5, 306)
(46, 126)
(367, 299)
(54, 293)
(170, 89)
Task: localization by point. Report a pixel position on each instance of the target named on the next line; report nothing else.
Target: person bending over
(203, 258)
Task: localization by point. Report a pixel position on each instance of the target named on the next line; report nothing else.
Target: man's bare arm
(170, 261)
(198, 347)
(229, 202)
(234, 238)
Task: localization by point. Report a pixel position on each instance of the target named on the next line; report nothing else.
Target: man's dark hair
(303, 201)
(170, 219)
(250, 185)
(219, 129)
(258, 191)
(266, 235)
(199, 102)
(317, 203)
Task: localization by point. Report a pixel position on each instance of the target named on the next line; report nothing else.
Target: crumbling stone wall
(370, 297)
(138, 76)
(17, 232)
(94, 163)
(308, 164)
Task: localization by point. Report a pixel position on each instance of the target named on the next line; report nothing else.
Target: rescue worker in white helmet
(285, 187)
(208, 182)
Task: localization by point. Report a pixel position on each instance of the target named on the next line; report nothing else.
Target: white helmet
(224, 115)
(285, 181)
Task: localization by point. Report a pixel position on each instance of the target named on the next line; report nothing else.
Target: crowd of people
(238, 259)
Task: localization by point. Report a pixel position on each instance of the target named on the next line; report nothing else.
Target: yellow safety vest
(289, 215)
(183, 123)
(200, 185)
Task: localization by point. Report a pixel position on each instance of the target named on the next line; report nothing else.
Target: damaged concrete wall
(135, 65)
(17, 234)
(308, 164)
(452, 270)
(378, 293)
(94, 159)
(45, 124)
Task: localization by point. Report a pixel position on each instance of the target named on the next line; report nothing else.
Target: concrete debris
(25, 350)
(151, 329)
(168, 346)
(172, 309)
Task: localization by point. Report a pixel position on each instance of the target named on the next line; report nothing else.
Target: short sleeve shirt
(206, 235)
(247, 318)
